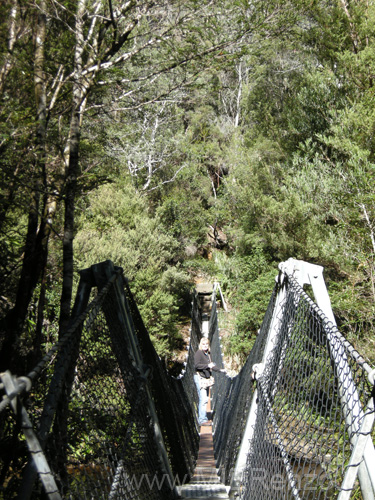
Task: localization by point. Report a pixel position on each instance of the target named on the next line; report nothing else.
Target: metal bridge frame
(362, 459)
(99, 275)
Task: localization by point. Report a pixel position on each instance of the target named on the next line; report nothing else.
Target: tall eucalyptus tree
(78, 48)
(88, 57)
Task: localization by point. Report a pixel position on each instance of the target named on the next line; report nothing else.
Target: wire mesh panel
(104, 426)
(187, 377)
(48, 395)
(311, 397)
(103, 419)
(91, 412)
(175, 399)
(232, 396)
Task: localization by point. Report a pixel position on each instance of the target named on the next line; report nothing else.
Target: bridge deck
(205, 482)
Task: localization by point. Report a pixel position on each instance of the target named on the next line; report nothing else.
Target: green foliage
(113, 205)
(159, 312)
(11, 247)
(183, 216)
(351, 301)
(252, 306)
(248, 280)
(289, 96)
(270, 139)
(302, 165)
(268, 206)
(117, 225)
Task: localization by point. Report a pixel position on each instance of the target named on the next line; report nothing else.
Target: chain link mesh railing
(175, 399)
(102, 419)
(98, 410)
(232, 396)
(312, 398)
(313, 407)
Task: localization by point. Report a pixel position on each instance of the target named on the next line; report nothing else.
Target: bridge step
(205, 482)
(206, 475)
(207, 491)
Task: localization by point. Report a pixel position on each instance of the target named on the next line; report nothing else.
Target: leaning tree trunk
(8, 58)
(70, 193)
(72, 170)
(61, 424)
(36, 242)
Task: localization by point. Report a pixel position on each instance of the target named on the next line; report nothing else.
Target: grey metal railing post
(36, 451)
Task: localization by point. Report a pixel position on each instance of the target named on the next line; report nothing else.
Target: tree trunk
(72, 171)
(36, 246)
(12, 38)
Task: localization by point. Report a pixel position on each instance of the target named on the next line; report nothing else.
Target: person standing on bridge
(203, 367)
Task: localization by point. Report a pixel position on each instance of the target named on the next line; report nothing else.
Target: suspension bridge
(100, 418)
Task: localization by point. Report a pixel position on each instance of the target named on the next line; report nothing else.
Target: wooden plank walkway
(205, 482)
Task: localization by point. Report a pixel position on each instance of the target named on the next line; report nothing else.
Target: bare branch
(173, 178)
(369, 225)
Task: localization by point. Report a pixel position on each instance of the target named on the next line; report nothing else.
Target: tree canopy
(183, 137)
